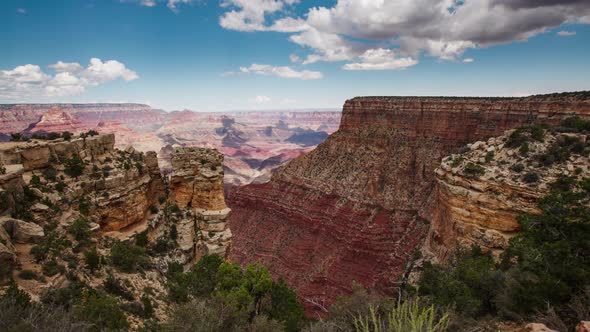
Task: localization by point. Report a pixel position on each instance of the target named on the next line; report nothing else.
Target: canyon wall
(359, 206)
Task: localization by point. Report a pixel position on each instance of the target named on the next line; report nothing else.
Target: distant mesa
(56, 120)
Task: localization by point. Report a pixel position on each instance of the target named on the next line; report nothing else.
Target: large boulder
(22, 231)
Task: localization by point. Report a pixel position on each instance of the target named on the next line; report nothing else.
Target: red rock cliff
(359, 205)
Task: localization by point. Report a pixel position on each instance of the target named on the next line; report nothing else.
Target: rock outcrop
(21, 231)
(122, 185)
(57, 120)
(196, 184)
(482, 191)
(358, 206)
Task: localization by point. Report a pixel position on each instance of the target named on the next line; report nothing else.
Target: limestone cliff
(121, 185)
(196, 184)
(358, 206)
(480, 192)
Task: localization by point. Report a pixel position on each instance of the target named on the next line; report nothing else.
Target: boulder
(22, 231)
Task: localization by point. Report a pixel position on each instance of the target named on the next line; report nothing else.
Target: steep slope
(359, 205)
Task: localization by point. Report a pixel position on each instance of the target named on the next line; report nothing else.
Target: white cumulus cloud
(249, 15)
(364, 33)
(70, 78)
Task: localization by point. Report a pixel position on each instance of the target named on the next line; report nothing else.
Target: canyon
(360, 206)
(254, 142)
(63, 195)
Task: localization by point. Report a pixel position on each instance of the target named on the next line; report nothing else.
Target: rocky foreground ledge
(60, 197)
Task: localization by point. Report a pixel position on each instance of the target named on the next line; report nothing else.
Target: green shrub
(35, 181)
(531, 177)
(489, 156)
(576, 124)
(64, 297)
(524, 148)
(538, 133)
(148, 307)
(114, 286)
(15, 296)
(161, 246)
(2, 170)
(546, 264)
(128, 258)
(248, 293)
(139, 167)
(84, 206)
(50, 174)
(17, 137)
(60, 186)
(153, 209)
(142, 239)
(406, 317)
(92, 259)
(173, 232)
(27, 275)
(66, 135)
(517, 168)
(457, 161)
(74, 167)
(516, 138)
(51, 268)
(473, 170)
(103, 312)
(469, 284)
(80, 230)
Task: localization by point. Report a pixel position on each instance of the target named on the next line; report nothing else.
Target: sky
(287, 54)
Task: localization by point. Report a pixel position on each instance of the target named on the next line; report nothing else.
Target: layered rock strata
(481, 192)
(119, 186)
(196, 185)
(358, 206)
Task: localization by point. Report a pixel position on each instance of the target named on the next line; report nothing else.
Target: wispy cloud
(260, 99)
(278, 71)
(21, 11)
(468, 60)
(564, 33)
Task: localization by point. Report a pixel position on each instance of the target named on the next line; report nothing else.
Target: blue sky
(186, 55)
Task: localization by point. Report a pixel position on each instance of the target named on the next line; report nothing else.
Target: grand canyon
(295, 166)
(254, 142)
